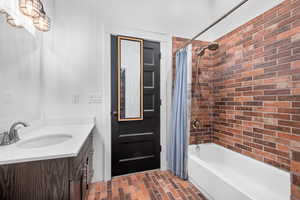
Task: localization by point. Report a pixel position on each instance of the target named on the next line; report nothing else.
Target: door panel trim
(103, 142)
(136, 158)
(136, 134)
(133, 148)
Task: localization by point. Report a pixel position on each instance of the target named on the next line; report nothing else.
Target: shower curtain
(180, 118)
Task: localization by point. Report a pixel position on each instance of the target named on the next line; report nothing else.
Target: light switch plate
(75, 99)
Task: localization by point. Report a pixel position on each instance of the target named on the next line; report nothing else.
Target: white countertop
(14, 154)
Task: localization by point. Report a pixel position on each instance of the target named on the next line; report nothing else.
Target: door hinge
(159, 148)
(160, 102)
(160, 56)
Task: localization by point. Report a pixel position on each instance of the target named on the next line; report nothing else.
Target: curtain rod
(213, 24)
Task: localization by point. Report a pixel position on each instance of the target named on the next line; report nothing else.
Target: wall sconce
(11, 21)
(30, 8)
(2, 11)
(42, 23)
(33, 9)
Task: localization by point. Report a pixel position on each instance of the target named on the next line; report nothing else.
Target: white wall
(71, 61)
(20, 96)
(72, 67)
(181, 18)
(248, 11)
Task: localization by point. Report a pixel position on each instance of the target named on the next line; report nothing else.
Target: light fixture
(11, 21)
(30, 8)
(42, 22)
(2, 11)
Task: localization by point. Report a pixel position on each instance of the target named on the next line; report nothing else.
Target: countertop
(13, 153)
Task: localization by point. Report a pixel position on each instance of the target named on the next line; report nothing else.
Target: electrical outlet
(95, 98)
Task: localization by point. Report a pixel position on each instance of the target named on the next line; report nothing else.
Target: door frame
(165, 88)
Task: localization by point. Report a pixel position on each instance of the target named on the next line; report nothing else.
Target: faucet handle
(13, 131)
(195, 124)
(5, 139)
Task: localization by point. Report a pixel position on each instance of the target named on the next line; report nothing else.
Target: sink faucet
(12, 136)
(13, 131)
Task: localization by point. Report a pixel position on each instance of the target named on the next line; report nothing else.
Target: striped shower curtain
(180, 118)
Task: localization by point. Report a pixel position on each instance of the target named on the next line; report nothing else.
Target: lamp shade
(30, 8)
(11, 21)
(2, 11)
(42, 23)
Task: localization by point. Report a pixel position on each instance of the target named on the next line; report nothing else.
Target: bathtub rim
(217, 172)
(232, 151)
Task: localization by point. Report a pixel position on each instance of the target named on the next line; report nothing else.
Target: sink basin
(44, 141)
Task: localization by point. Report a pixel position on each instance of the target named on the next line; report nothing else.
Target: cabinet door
(81, 170)
(36, 180)
(90, 170)
(75, 190)
(79, 188)
(84, 180)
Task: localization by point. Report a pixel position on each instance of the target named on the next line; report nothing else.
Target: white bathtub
(222, 174)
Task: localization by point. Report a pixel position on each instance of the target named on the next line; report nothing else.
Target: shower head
(213, 46)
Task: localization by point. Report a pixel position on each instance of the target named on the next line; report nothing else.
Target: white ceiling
(183, 18)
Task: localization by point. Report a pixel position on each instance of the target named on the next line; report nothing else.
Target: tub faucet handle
(196, 124)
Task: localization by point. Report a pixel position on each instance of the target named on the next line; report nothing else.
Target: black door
(136, 144)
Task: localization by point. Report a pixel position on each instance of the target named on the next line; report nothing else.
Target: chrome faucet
(12, 136)
(13, 131)
(198, 145)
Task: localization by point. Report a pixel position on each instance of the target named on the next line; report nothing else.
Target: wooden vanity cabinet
(55, 179)
(81, 171)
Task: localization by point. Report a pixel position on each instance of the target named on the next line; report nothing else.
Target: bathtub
(222, 174)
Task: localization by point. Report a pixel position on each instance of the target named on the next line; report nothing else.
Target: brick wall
(295, 174)
(251, 87)
(202, 97)
(257, 86)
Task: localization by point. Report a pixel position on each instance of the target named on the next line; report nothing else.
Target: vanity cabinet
(81, 171)
(55, 179)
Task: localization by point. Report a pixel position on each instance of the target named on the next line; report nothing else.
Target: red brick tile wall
(257, 86)
(253, 82)
(295, 174)
(202, 97)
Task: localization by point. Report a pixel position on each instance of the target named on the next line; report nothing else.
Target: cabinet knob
(91, 152)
